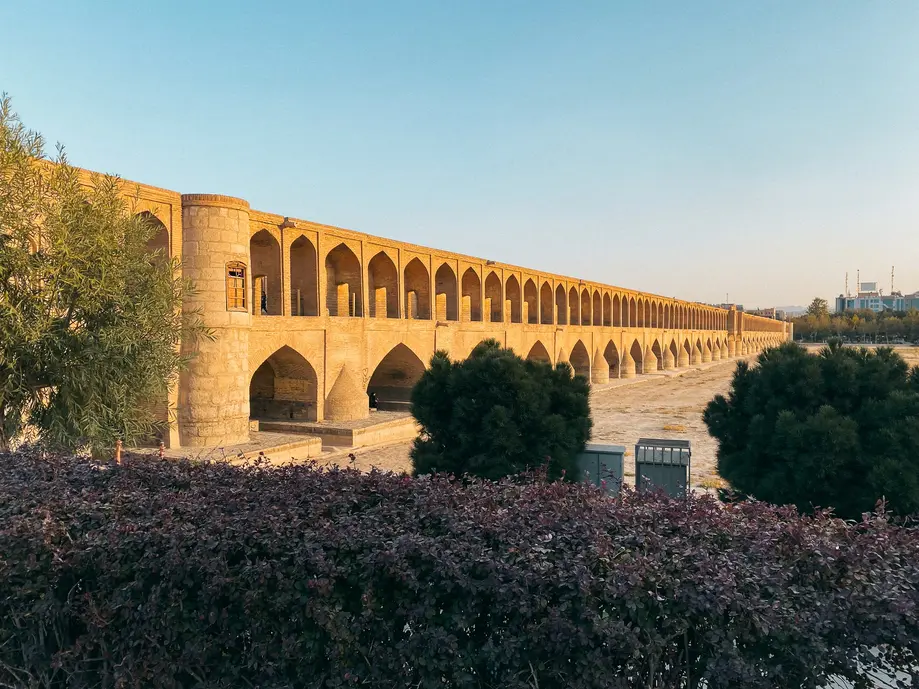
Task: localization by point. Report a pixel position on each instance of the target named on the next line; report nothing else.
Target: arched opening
(640, 305)
(531, 300)
(283, 387)
(647, 314)
(561, 305)
(674, 353)
(658, 355)
(574, 306)
(585, 307)
(343, 282)
(633, 313)
(597, 309)
(383, 280)
(266, 274)
(159, 235)
(512, 294)
(545, 304)
(580, 360)
(607, 311)
(417, 291)
(653, 319)
(538, 352)
(445, 293)
(617, 312)
(494, 300)
(158, 248)
(472, 295)
(611, 354)
(637, 356)
(304, 285)
(390, 386)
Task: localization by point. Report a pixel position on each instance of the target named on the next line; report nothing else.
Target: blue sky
(693, 149)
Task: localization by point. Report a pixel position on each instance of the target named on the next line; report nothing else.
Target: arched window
(236, 286)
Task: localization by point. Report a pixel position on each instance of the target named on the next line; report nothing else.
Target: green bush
(838, 430)
(495, 414)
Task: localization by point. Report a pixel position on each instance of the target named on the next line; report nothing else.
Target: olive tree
(91, 318)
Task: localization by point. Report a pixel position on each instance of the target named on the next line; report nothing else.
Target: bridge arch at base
(284, 386)
(538, 352)
(580, 360)
(390, 386)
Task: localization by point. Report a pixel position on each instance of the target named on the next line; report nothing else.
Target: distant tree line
(858, 326)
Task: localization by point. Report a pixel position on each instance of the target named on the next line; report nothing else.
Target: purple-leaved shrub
(180, 574)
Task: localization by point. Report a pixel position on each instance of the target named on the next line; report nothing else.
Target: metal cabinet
(599, 463)
(663, 465)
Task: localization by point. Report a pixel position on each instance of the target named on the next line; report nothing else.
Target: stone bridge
(316, 322)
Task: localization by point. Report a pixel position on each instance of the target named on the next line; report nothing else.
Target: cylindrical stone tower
(214, 389)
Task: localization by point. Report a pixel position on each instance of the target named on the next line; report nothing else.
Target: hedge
(178, 574)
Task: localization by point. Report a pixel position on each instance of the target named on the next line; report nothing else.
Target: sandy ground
(656, 406)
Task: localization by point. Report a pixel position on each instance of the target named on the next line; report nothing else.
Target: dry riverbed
(658, 406)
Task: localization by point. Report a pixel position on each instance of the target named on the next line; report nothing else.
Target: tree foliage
(168, 575)
(860, 326)
(818, 307)
(91, 320)
(839, 429)
(495, 414)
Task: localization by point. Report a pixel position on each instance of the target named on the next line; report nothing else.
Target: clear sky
(692, 149)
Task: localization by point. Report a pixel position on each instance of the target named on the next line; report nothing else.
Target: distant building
(870, 298)
(768, 313)
(739, 307)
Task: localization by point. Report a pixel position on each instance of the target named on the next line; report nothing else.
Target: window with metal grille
(236, 287)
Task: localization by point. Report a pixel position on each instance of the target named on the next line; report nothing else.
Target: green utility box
(599, 463)
(662, 465)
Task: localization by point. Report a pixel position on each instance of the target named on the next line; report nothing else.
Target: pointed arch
(654, 314)
(531, 300)
(472, 295)
(265, 254)
(304, 278)
(672, 355)
(574, 306)
(390, 386)
(512, 294)
(494, 298)
(585, 307)
(561, 305)
(611, 354)
(596, 311)
(159, 235)
(343, 282)
(637, 356)
(283, 387)
(546, 306)
(685, 357)
(445, 293)
(383, 280)
(538, 352)
(417, 283)
(617, 311)
(697, 352)
(658, 354)
(633, 313)
(607, 310)
(580, 360)
(707, 351)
